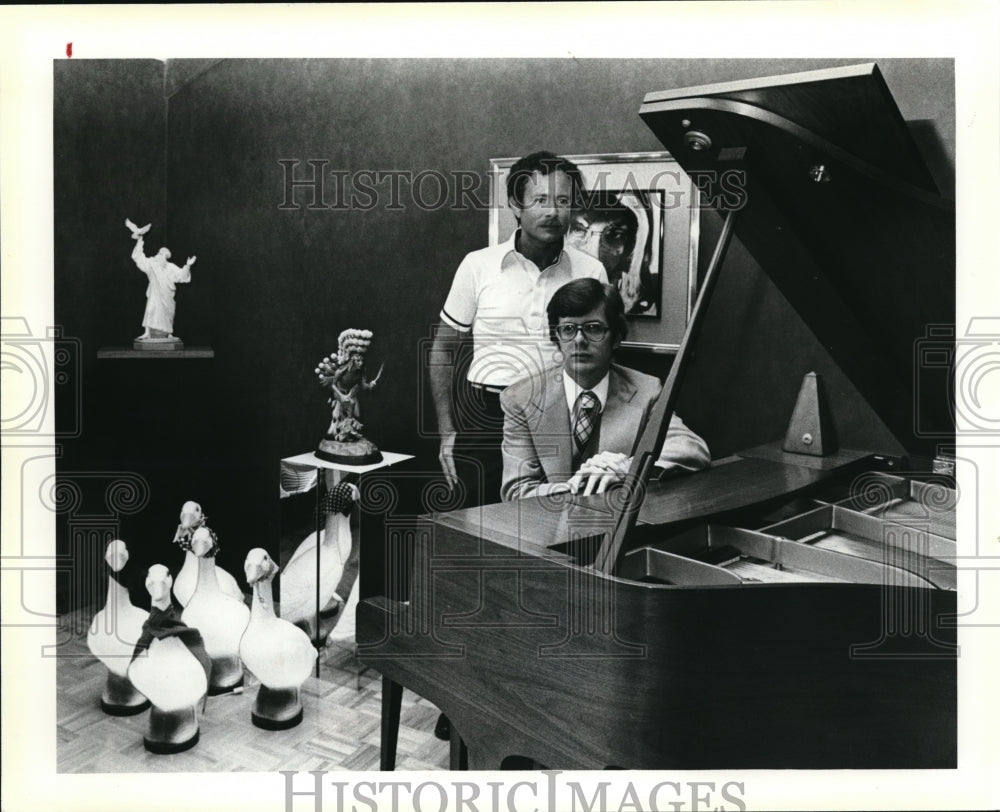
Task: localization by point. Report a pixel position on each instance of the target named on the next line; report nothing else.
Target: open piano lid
(822, 183)
(834, 201)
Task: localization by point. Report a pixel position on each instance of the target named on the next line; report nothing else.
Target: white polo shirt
(501, 296)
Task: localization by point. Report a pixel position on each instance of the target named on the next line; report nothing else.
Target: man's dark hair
(545, 163)
(579, 297)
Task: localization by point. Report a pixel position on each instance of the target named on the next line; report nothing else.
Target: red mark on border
(69, 50)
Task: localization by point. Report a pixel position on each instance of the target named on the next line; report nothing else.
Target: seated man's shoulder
(531, 387)
(640, 380)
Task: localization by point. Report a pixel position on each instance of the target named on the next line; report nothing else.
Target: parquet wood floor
(340, 730)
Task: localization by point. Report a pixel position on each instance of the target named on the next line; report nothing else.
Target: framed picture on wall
(640, 217)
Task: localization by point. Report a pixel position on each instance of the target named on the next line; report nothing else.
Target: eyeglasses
(610, 233)
(592, 331)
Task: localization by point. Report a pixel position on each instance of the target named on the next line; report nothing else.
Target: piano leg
(459, 753)
(392, 699)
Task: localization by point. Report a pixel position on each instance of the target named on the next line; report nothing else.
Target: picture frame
(664, 202)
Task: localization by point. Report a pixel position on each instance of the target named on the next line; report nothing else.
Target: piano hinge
(944, 465)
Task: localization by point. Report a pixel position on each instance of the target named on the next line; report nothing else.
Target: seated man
(572, 425)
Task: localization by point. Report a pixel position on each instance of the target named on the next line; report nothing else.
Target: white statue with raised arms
(164, 276)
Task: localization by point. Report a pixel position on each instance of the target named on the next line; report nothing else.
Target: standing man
(498, 296)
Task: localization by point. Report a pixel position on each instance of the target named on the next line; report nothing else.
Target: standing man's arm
(442, 372)
(457, 317)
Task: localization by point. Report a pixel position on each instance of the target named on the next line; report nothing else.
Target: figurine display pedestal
(337, 471)
(227, 675)
(120, 698)
(276, 708)
(171, 731)
(354, 454)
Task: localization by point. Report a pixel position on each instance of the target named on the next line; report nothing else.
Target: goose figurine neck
(171, 666)
(192, 517)
(112, 637)
(297, 588)
(219, 617)
(278, 653)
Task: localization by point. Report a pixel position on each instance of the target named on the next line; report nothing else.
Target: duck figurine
(219, 617)
(112, 637)
(277, 652)
(172, 667)
(192, 517)
(297, 586)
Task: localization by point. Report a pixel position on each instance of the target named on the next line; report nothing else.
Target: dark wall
(109, 140)
(109, 134)
(273, 287)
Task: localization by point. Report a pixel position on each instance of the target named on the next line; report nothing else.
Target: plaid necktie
(583, 421)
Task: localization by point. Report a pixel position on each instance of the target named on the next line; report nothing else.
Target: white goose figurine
(192, 517)
(297, 587)
(170, 674)
(278, 653)
(112, 637)
(219, 617)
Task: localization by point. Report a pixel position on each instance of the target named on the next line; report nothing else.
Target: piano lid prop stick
(645, 449)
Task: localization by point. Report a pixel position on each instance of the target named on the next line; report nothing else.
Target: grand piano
(790, 607)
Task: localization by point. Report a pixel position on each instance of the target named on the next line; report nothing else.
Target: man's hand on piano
(599, 472)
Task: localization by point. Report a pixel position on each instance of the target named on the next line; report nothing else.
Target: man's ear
(515, 207)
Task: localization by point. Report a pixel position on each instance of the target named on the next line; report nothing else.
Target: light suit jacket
(537, 436)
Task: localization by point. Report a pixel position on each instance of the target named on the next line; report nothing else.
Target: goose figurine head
(116, 555)
(158, 584)
(342, 498)
(203, 542)
(192, 516)
(259, 566)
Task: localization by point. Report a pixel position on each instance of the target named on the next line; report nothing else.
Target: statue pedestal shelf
(147, 351)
